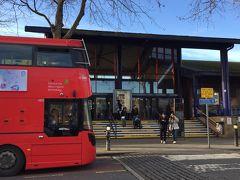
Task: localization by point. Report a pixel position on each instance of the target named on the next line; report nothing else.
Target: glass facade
(152, 84)
(102, 86)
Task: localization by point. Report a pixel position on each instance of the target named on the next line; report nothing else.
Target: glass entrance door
(103, 108)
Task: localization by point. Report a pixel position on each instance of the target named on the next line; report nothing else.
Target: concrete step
(194, 128)
(150, 129)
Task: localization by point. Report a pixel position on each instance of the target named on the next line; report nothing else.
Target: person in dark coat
(163, 123)
(124, 116)
(135, 117)
(119, 109)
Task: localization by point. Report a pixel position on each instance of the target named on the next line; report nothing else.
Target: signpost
(206, 101)
(207, 98)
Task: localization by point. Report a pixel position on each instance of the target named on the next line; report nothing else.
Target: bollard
(108, 137)
(235, 127)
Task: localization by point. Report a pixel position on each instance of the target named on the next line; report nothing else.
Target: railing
(235, 111)
(203, 119)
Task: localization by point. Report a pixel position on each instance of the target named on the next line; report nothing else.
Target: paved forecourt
(194, 166)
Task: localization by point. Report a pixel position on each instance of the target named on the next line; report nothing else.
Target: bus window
(85, 111)
(15, 55)
(61, 118)
(54, 57)
(79, 57)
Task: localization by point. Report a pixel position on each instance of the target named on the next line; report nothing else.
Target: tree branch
(34, 10)
(77, 20)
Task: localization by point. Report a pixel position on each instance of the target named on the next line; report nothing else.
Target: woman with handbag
(173, 126)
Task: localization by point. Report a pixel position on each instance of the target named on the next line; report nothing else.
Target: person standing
(124, 116)
(163, 124)
(173, 126)
(135, 118)
(119, 109)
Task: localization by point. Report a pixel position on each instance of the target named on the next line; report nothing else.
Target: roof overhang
(103, 48)
(172, 41)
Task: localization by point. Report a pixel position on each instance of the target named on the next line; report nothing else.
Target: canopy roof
(103, 47)
(172, 41)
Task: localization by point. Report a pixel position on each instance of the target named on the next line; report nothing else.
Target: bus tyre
(12, 160)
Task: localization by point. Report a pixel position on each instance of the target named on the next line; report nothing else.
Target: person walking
(163, 124)
(173, 126)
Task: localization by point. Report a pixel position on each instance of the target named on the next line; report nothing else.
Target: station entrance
(149, 107)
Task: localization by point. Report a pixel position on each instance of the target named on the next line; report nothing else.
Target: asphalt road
(103, 168)
(212, 166)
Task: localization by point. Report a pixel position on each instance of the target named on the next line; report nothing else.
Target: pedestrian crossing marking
(201, 157)
(203, 168)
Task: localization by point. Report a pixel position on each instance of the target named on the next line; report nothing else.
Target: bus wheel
(12, 160)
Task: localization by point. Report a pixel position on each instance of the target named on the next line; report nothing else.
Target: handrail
(212, 123)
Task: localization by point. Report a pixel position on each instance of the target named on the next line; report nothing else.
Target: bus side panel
(88, 149)
(21, 115)
(46, 152)
(56, 151)
(52, 83)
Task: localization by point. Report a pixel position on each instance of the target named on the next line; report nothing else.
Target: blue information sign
(206, 101)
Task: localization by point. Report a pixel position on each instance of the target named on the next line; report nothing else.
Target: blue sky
(224, 25)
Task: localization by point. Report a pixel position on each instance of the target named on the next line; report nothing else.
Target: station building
(148, 71)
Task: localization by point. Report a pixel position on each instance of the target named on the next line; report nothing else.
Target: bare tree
(5, 19)
(204, 10)
(69, 13)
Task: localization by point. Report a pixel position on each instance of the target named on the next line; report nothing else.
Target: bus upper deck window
(15, 55)
(54, 57)
(79, 57)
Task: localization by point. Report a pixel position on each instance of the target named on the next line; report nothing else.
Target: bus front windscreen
(66, 117)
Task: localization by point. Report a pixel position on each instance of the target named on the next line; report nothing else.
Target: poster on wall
(122, 98)
(13, 80)
(229, 121)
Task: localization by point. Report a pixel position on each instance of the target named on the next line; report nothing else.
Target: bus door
(60, 142)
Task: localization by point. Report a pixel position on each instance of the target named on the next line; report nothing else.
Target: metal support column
(118, 81)
(195, 95)
(178, 73)
(225, 82)
(150, 100)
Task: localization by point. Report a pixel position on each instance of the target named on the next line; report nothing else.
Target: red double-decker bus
(44, 116)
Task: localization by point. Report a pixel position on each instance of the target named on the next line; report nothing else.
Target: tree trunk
(56, 32)
(57, 29)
